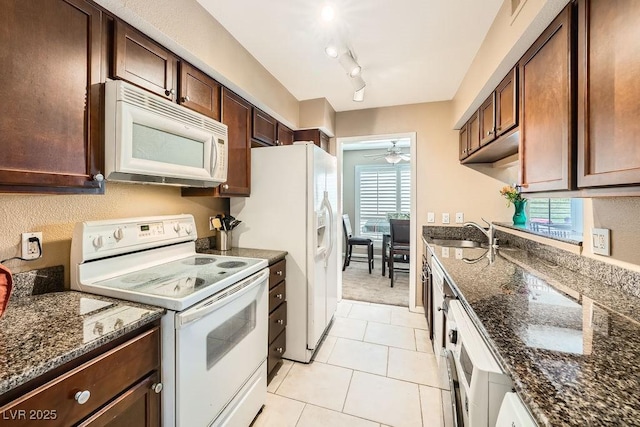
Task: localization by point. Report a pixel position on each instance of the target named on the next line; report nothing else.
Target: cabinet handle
(225, 187)
(499, 128)
(170, 92)
(280, 350)
(279, 296)
(157, 387)
(280, 322)
(82, 396)
(98, 177)
(279, 272)
(186, 98)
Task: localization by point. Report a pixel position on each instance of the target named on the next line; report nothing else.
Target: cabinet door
(474, 133)
(285, 135)
(264, 127)
(51, 109)
(138, 406)
(608, 93)
(142, 62)
(487, 114)
(464, 141)
(318, 137)
(236, 114)
(199, 92)
(546, 108)
(507, 103)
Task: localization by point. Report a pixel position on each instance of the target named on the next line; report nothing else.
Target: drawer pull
(279, 296)
(280, 350)
(82, 396)
(157, 387)
(279, 272)
(280, 322)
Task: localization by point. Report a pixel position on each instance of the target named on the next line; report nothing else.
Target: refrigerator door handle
(331, 237)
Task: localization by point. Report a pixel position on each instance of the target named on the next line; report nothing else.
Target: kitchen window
(382, 192)
(560, 217)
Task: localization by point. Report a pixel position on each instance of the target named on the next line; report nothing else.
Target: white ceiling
(377, 144)
(410, 50)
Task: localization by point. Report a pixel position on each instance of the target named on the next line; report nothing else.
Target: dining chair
(352, 241)
(399, 246)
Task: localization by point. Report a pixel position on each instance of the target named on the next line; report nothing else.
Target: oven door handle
(221, 298)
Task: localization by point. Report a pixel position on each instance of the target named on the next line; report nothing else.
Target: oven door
(220, 343)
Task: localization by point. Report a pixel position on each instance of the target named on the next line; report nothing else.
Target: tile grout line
(347, 393)
(301, 412)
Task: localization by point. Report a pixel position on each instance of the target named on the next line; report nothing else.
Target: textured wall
(56, 215)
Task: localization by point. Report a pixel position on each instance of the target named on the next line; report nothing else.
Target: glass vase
(519, 217)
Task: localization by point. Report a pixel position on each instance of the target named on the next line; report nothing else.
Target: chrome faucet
(489, 233)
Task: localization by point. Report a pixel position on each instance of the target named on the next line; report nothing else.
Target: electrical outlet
(445, 252)
(459, 218)
(459, 253)
(600, 238)
(31, 245)
(431, 217)
(445, 218)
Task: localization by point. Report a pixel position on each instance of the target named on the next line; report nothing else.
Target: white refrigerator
(292, 207)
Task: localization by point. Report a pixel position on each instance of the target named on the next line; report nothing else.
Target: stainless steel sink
(458, 243)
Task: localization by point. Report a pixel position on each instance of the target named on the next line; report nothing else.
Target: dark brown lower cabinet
(277, 316)
(608, 93)
(51, 109)
(116, 388)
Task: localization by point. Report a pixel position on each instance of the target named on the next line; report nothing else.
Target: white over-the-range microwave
(155, 141)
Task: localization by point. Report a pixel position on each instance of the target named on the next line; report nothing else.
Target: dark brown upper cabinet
(264, 127)
(464, 141)
(487, 113)
(199, 92)
(236, 114)
(318, 137)
(547, 140)
(506, 100)
(285, 135)
(608, 93)
(144, 63)
(474, 133)
(51, 111)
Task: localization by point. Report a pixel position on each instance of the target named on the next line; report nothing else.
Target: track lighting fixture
(349, 64)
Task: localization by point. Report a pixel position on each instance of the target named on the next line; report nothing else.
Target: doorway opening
(378, 189)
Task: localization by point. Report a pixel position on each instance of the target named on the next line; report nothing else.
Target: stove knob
(188, 229)
(118, 234)
(176, 227)
(98, 242)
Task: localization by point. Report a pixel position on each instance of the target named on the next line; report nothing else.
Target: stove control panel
(106, 238)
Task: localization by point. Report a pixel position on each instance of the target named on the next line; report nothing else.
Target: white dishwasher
(513, 413)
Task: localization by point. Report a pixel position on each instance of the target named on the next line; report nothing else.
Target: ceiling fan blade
(406, 157)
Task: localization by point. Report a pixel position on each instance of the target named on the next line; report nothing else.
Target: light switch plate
(431, 217)
(600, 238)
(459, 218)
(445, 252)
(459, 253)
(445, 218)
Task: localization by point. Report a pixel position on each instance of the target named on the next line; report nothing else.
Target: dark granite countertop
(39, 333)
(272, 256)
(571, 344)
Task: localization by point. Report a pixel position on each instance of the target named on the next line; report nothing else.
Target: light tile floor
(374, 368)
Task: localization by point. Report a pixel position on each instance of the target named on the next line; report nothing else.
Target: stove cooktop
(178, 284)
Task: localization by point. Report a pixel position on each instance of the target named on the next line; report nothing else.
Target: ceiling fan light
(358, 95)
(331, 51)
(392, 158)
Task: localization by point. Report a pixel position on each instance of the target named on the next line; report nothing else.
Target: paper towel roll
(6, 283)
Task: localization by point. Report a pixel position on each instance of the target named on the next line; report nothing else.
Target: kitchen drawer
(276, 350)
(277, 321)
(104, 377)
(277, 272)
(277, 295)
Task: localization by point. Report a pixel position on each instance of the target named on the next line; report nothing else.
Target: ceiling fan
(393, 155)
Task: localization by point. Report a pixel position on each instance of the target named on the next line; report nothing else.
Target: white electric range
(214, 335)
